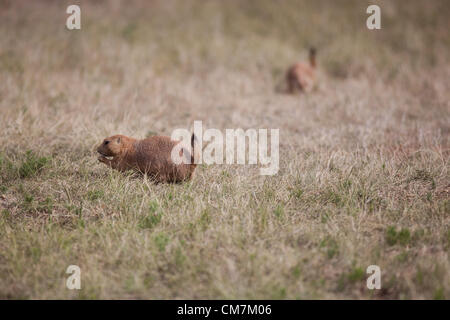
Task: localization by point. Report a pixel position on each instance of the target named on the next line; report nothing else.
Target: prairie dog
(302, 76)
(151, 156)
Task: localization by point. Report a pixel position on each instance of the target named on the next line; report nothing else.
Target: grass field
(364, 159)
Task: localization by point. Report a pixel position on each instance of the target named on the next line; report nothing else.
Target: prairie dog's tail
(193, 153)
(312, 56)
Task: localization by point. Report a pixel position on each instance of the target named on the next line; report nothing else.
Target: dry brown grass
(364, 162)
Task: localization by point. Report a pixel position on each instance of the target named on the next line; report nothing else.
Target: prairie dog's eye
(106, 142)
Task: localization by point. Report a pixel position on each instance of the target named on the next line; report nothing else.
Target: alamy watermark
(260, 150)
(73, 22)
(74, 280)
(374, 20)
(374, 280)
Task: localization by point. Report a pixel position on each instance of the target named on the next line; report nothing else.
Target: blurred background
(255, 37)
(229, 47)
(363, 158)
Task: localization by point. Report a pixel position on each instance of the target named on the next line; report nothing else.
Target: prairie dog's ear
(118, 140)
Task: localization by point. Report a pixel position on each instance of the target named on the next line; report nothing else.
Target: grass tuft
(32, 165)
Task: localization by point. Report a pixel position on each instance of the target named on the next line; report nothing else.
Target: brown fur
(302, 76)
(151, 156)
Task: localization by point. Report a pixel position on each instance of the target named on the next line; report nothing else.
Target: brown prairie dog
(151, 156)
(302, 76)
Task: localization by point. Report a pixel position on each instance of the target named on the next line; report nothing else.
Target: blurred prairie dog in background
(302, 76)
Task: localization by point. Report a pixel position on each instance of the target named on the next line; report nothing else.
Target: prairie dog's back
(154, 156)
(154, 148)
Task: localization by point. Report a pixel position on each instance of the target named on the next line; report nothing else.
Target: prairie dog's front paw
(102, 159)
